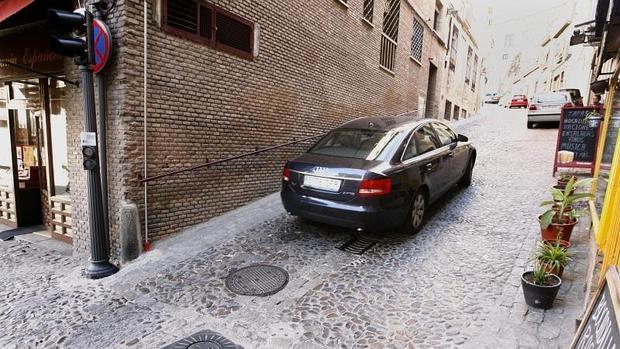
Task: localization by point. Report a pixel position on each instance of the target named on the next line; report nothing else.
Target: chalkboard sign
(577, 137)
(599, 327)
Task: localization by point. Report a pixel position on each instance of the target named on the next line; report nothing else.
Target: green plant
(561, 211)
(566, 178)
(593, 114)
(552, 254)
(539, 275)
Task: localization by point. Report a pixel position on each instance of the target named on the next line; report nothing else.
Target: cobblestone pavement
(454, 284)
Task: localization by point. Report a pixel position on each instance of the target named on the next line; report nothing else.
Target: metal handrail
(211, 163)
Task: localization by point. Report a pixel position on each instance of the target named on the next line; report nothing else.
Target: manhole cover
(358, 245)
(257, 280)
(204, 340)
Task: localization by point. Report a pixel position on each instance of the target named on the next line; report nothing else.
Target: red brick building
(224, 78)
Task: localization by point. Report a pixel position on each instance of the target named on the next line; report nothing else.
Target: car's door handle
(428, 167)
(451, 154)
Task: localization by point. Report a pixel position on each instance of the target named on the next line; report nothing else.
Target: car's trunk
(328, 177)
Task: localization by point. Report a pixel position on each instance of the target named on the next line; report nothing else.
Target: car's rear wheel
(530, 124)
(467, 176)
(415, 220)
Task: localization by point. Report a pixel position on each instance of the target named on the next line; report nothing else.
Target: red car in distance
(518, 101)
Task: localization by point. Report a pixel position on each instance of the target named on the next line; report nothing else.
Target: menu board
(576, 137)
(599, 327)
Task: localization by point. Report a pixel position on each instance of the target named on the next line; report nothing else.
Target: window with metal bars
(475, 74)
(369, 6)
(210, 25)
(417, 40)
(468, 65)
(454, 43)
(389, 37)
(448, 110)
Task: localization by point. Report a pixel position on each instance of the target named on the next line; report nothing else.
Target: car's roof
(385, 123)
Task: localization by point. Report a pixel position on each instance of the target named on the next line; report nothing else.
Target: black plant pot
(540, 296)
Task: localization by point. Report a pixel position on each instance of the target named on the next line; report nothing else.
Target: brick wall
(317, 66)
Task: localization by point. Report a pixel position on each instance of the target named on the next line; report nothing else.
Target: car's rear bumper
(518, 104)
(543, 117)
(348, 215)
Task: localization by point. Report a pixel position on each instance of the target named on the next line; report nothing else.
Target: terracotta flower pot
(557, 231)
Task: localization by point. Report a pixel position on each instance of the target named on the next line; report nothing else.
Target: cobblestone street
(454, 284)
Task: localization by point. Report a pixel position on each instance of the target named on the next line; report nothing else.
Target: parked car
(547, 106)
(575, 95)
(518, 101)
(377, 173)
(491, 98)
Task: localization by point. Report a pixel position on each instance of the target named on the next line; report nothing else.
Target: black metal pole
(103, 153)
(100, 265)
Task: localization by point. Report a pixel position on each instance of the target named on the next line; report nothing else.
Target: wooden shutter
(234, 32)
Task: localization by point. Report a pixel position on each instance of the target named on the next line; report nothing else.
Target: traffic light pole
(100, 265)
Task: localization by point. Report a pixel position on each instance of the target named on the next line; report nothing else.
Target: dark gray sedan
(377, 174)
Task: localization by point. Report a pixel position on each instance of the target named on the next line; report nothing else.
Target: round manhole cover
(257, 280)
(205, 345)
(204, 340)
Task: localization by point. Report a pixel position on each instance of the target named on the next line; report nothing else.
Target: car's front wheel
(416, 214)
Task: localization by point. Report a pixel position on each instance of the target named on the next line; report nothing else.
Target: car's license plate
(322, 183)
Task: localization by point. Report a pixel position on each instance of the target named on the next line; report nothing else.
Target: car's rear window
(550, 98)
(353, 143)
(518, 97)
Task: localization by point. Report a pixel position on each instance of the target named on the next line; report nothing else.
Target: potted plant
(593, 119)
(558, 221)
(552, 256)
(540, 287)
(563, 180)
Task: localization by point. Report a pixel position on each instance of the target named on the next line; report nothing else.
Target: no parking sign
(103, 44)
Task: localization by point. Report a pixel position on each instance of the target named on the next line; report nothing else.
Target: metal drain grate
(204, 340)
(257, 280)
(358, 245)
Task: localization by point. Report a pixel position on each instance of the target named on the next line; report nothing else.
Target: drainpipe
(103, 153)
(147, 242)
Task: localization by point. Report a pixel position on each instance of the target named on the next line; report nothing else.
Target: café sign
(29, 49)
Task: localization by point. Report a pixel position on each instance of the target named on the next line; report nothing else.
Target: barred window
(475, 74)
(457, 112)
(210, 25)
(454, 43)
(468, 66)
(448, 111)
(369, 9)
(417, 40)
(389, 37)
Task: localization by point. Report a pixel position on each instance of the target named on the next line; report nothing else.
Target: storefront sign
(599, 327)
(577, 140)
(30, 49)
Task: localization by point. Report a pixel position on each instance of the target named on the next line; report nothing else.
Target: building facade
(224, 78)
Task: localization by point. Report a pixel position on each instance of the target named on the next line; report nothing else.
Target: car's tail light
(286, 174)
(568, 105)
(375, 187)
(532, 106)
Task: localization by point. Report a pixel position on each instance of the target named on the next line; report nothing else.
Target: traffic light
(89, 154)
(78, 23)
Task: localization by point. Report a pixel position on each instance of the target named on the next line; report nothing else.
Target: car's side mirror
(462, 138)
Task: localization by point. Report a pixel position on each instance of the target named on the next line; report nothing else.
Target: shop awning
(11, 7)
